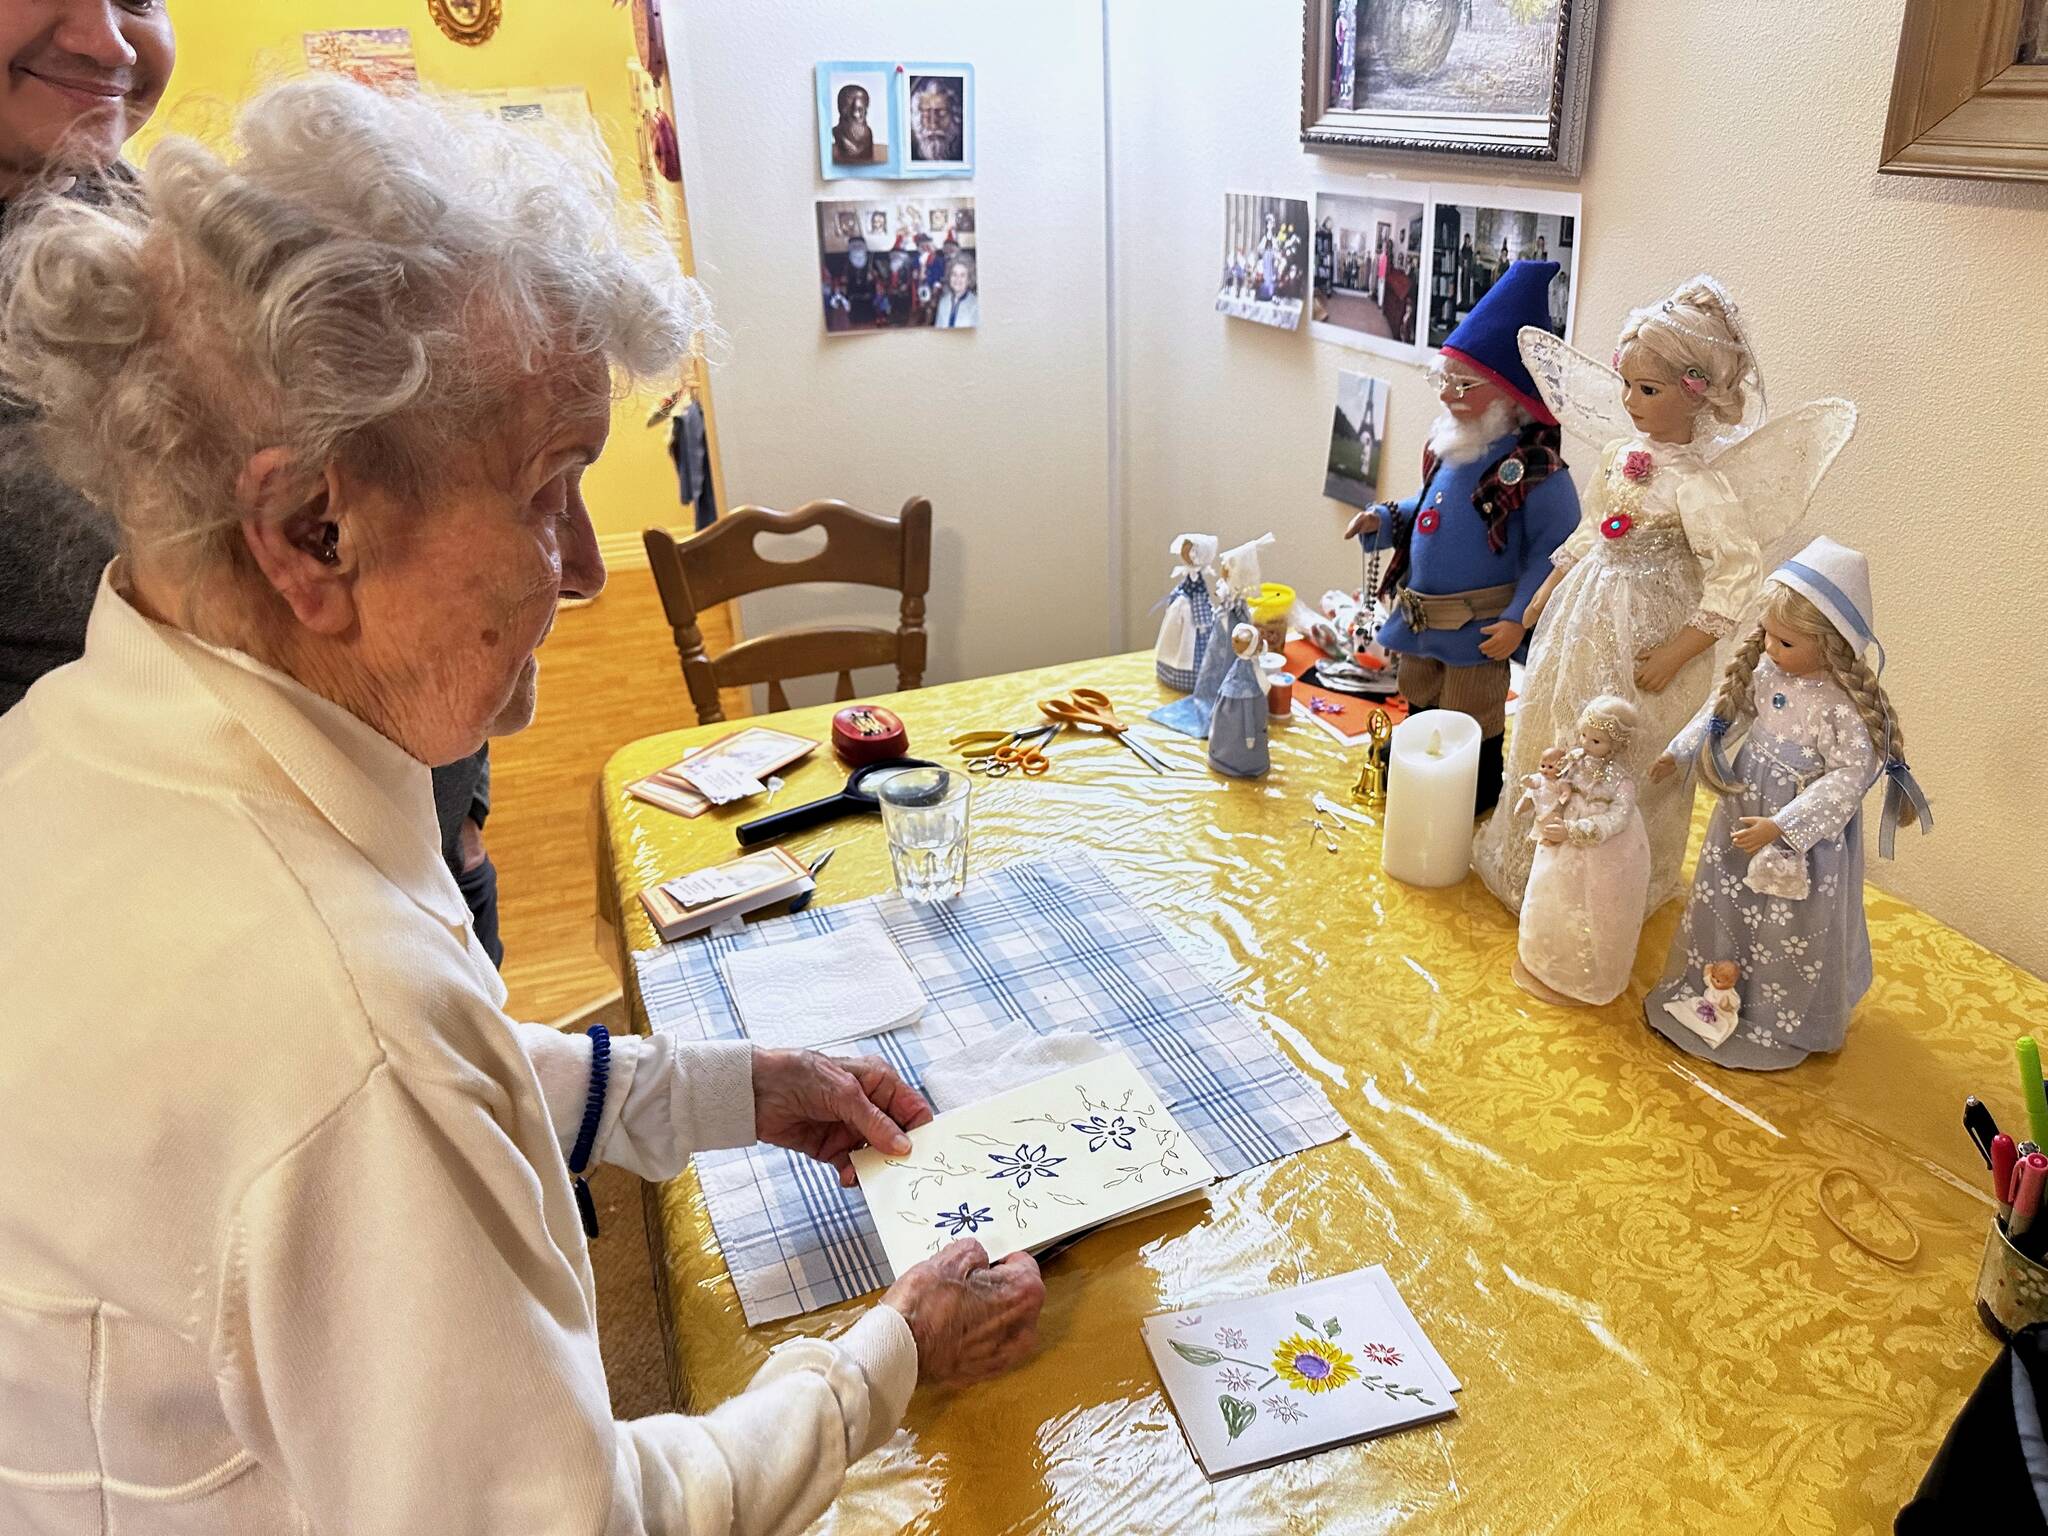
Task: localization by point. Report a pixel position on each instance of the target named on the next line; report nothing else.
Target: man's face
(856, 106)
(81, 77)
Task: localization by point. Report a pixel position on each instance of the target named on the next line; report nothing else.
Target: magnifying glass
(857, 798)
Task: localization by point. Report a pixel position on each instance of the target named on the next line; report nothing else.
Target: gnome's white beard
(1460, 442)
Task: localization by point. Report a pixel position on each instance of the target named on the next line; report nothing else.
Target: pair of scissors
(999, 752)
(1088, 706)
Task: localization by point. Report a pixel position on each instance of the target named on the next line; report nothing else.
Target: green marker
(2030, 1086)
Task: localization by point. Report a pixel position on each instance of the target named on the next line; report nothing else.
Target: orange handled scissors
(1088, 706)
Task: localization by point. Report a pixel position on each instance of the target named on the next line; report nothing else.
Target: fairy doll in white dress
(1777, 900)
(1695, 490)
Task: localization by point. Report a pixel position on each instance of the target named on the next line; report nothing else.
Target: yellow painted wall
(226, 48)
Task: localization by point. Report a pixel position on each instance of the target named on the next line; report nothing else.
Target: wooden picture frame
(1962, 102)
(1429, 129)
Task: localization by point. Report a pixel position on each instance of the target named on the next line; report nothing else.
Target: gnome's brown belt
(1452, 610)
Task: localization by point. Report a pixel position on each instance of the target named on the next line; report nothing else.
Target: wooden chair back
(721, 563)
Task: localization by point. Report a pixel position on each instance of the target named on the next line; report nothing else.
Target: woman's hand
(971, 1319)
(1367, 521)
(1754, 832)
(1502, 636)
(1663, 768)
(825, 1106)
(1656, 667)
(1554, 830)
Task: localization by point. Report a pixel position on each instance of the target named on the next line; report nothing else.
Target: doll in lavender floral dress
(1779, 887)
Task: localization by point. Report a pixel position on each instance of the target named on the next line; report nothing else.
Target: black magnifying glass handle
(798, 818)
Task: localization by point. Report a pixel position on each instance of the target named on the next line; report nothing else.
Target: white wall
(1741, 139)
(1004, 427)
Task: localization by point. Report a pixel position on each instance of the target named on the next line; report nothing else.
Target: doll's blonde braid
(1734, 704)
(1856, 679)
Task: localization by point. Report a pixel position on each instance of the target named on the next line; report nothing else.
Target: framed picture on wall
(1369, 277)
(1491, 83)
(1476, 233)
(936, 107)
(1970, 91)
(857, 118)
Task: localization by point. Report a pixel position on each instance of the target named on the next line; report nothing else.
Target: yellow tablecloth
(1618, 1249)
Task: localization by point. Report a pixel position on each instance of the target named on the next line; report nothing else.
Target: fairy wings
(1774, 464)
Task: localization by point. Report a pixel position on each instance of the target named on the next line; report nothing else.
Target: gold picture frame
(467, 21)
(1968, 98)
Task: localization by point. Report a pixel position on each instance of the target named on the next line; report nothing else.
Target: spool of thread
(863, 734)
(1279, 695)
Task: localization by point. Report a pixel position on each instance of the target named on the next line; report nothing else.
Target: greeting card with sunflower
(1274, 1377)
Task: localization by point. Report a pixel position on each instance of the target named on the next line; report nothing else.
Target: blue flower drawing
(1099, 1131)
(962, 1220)
(1026, 1164)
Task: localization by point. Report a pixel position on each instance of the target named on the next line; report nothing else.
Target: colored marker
(2026, 1205)
(2003, 1155)
(2030, 1088)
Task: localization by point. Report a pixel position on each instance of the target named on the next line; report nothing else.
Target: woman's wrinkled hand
(826, 1106)
(971, 1319)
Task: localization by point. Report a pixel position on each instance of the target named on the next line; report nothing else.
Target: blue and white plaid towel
(1047, 945)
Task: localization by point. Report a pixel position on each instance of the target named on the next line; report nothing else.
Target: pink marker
(2026, 1204)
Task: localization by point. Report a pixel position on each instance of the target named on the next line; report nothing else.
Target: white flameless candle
(1432, 778)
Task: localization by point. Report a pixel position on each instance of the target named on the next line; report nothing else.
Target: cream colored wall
(227, 48)
(1741, 139)
(1003, 427)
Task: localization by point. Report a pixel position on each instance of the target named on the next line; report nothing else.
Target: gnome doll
(1471, 547)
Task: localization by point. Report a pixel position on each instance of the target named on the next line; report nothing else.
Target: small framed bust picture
(1486, 84)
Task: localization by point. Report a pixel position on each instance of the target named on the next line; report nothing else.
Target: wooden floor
(608, 674)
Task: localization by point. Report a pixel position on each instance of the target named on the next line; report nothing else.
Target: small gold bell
(1371, 789)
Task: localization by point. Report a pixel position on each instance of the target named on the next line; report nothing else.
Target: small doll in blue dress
(1238, 730)
(1773, 954)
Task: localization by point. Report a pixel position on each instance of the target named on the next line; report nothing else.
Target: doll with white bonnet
(1190, 612)
(1779, 887)
(1694, 488)
(1583, 912)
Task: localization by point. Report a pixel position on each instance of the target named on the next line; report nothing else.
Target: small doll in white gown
(1779, 888)
(1584, 910)
(1692, 492)
(1547, 788)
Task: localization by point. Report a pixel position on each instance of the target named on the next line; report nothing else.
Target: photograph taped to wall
(856, 120)
(1478, 232)
(937, 104)
(898, 264)
(1266, 258)
(1352, 472)
(1368, 285)
(376, 56)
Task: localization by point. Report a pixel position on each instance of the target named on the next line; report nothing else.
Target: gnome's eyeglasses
(1456, 385)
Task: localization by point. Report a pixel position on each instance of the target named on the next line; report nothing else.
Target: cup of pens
(2012, 1280)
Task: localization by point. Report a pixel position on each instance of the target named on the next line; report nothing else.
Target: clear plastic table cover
(1620, 1250)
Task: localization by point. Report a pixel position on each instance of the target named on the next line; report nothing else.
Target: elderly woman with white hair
(292, 1244)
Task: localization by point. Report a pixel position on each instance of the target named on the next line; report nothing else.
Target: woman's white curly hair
(366, 279)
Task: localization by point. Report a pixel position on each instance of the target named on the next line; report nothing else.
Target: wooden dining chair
(722, 563)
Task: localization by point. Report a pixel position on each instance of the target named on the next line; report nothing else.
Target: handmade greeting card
(1074, 1150)
(1271, 1378)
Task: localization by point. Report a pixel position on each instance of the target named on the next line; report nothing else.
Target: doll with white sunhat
(1779, 887)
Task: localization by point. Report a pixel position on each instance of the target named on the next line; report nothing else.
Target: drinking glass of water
(924, 813)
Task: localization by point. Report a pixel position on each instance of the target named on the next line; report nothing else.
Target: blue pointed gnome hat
(1485, 339)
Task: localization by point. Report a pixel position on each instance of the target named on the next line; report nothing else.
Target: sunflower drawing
(1312, 1365)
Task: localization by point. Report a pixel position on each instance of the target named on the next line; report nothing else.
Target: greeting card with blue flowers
(1025, 1168)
